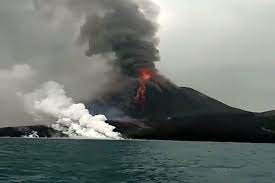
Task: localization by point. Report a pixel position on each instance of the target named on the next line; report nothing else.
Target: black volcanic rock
(171, 101)
(268, 114)
(268, 120)
(42, 131)
(180, 113)
(222, 128)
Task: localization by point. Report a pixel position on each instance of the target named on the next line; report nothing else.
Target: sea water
(61, 160)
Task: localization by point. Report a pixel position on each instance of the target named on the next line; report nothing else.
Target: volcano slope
(180, 113)
(163, 100)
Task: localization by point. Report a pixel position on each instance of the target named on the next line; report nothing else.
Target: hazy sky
(224, 48)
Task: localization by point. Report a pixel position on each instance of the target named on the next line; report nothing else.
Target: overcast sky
(224, 48)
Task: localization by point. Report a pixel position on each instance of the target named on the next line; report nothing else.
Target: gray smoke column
(126, 27)
(38, 45)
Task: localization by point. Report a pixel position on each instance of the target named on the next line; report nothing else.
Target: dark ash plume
(125, 27)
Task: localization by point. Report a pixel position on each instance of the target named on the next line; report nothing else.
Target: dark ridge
(268, 113)
(221, 128)
(42, 131)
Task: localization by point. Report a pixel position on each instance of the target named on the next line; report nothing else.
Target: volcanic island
(158, 109)
(148, 105)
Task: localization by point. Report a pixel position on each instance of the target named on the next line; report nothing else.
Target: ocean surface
(57, 160)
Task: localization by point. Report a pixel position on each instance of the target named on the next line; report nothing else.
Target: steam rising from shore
(73, 119)
(91, 47)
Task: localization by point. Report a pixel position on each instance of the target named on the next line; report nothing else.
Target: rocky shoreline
(218, 128)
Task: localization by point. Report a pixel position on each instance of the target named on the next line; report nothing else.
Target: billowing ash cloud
(84, 45)
(125, 30)
(126, 27)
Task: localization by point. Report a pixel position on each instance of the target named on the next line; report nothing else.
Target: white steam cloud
(38, 44)
(73, 119)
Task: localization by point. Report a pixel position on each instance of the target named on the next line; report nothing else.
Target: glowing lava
(144, 76)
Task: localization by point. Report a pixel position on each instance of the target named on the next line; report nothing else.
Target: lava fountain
(145, 75)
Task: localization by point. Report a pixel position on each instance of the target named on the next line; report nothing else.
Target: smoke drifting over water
(74, 120)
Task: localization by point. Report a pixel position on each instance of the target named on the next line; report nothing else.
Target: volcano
(147, 105)
(152, 107)
(166, 111)
(152, 96)
(169, 112)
